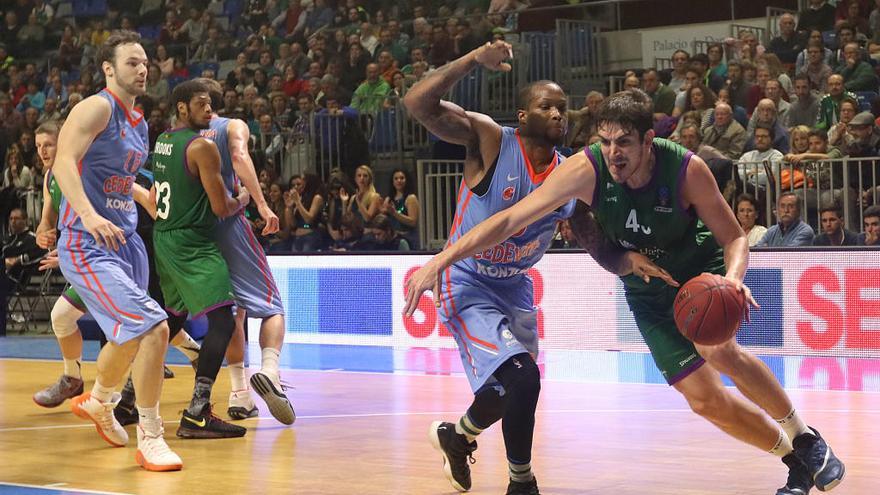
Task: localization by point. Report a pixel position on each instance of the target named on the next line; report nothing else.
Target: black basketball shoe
(825, 468)
(457, 454)
(799, 479)
(520, 488)
(206, 425)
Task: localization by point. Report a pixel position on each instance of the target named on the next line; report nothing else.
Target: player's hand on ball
(47, 239)
(425, 278)
(493, 55)
(105, 233)
(49, 261)
(747, 295)
(641, 266)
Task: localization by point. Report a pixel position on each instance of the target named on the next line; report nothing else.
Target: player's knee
(727, 358)
(521, 377)
(159, 332)
(64, 316)
(707, 404)
(220, 320)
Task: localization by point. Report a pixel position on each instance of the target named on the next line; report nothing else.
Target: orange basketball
(708, 309)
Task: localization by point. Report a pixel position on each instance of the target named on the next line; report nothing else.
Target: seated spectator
(20, 252)
(381, 236)
(858, 75)
(692, 78)
(17, 175)
(871, 234)
(349, 234)
(787, 45)
(720, 165)
(856, 15)
(280, 241)
(583, 121)
(33, 98)
(737, 85)
(751, 169)
(745, 47)
(303, 204)
(676, 76)
(700, 62)
(662, 95)
(833, 233)
(368, 97)
(402, 207)
(725, 134)
(699, 99)
(829, 106)
(846, 34)
(791, 230)
(715, 52)
(739, 113)
(816, 69)
(50, 111)
(865, 138)
(804, 109)
(157, 85)
(839, 135)
(765, 114)
(818, 15)
(564, 237)
(825, 54)
(747, 213)
(366, 202)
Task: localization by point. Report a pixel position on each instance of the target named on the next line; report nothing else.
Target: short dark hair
(819, 133)
(832, 207)
(630, 109)
(700, 58)
(524, 95)
(747, 197)
(768, 128)
(872, 211)
(214, 89)
(107, 50)
(802, 77)
(185, 91)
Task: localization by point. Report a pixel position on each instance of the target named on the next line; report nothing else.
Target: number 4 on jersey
(632, 223)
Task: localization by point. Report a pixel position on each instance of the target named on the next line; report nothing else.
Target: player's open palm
(50, 261)
(105, 233)
(493, 56)
(425, 278)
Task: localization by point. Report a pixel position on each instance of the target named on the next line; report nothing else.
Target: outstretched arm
(574, 180)
(239, 134)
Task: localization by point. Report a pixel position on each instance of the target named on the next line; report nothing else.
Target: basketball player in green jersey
(654, 196)
(69, 307)
(190, 196)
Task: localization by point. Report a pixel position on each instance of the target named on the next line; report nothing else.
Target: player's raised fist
(493, 55)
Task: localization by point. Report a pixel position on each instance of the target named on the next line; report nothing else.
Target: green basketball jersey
(650, 219)
(54, 192)
(181, 200)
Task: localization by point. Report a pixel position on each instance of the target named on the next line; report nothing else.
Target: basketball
(708, 309)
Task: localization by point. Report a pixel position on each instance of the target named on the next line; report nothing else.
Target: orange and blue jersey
(112, 283)
(487, 300)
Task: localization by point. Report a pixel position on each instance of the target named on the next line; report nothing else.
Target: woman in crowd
(402, 207)
(747, 215)
(716, 60)
(280, 241)
(366, 201)
(303, 204)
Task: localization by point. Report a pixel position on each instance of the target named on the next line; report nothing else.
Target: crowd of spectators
(810, 95)
(295, 69)
(291, 69)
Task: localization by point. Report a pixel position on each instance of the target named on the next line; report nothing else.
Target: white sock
(270, 362)
(101, 393)
(149, 420)
(793, 425)
(238, 376)
(73, 367)
(783, 445)
(185, 344)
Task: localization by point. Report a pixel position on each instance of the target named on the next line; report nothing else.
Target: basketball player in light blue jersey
(101, 146)
(486, 301)
(253, 286)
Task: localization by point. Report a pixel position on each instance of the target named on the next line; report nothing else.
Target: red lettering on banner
(823, 308)
(858, 368)
(857, 309)
(813, 368)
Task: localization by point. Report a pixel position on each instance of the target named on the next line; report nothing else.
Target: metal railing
(438, 185)
(850, 183)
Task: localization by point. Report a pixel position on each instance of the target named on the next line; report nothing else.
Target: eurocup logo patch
(663, 196)
(507, 194)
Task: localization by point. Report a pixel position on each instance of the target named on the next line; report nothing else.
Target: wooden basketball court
(365, 433)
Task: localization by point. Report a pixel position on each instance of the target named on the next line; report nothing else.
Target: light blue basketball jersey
(513, 179)
(109, 168)
(217, 133)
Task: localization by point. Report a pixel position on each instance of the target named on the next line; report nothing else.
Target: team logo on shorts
(507, 194)
(507, 334)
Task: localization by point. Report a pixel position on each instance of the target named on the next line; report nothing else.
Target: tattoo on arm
(590, 236)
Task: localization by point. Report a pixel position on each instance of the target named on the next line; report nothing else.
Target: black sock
(220, 328)
(175, 324)
(522, 384)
